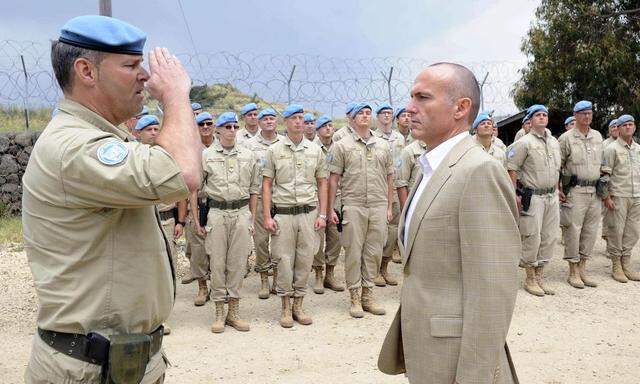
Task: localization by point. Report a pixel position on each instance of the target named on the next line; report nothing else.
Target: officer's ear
(462, 108)
(86, 72)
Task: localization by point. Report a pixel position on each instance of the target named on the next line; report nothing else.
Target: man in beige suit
(460, 242)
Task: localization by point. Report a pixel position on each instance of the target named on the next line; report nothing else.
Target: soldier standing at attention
(526, 127)
(621, 171)
(395, 141)
(496, 140)
(612, 134)
(408, 171)
(249, 114)
(483, 127)
(362, 164)
(536, 159)
(196, 108)
(294, 179)
(267, 121)
(310, 127)
(403, 124)
(342, 132)
(569, 123)
(100, 261)
(329, 249)
(230, 181)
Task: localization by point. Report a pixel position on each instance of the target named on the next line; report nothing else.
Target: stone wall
(15, 148)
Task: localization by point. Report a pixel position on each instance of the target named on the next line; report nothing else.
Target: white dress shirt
(430, 161)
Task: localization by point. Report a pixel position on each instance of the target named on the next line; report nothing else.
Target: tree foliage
(583, 50)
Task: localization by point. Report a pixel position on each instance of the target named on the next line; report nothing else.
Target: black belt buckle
(97, 348)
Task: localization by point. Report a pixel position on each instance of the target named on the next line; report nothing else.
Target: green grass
(10, 230)
(12, 119)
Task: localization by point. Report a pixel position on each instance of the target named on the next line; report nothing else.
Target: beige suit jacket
(460, 275)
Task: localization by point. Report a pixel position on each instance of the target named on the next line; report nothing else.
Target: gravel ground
(577, 336)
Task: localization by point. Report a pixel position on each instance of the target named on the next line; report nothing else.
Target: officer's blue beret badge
(112, 153)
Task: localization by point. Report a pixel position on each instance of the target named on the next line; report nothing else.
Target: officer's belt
(93, 348)
(543, 191)
(166, 215)
(235, 204)
(296, 210)
(587, 183)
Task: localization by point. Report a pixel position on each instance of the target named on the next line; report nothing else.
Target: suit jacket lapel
(403, 214)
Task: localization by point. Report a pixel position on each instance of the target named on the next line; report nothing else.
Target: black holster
(203, 212)
(339, 225)
(128, 359)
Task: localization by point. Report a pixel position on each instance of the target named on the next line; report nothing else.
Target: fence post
(482, 91)
(388, 80)
(26, 93)
(293, 69)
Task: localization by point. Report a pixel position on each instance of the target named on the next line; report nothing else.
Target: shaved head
(462, 83)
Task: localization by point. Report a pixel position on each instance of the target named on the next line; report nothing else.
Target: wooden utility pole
(105, 8)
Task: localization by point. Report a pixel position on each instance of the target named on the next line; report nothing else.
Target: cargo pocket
(446, 326)
(565, 214)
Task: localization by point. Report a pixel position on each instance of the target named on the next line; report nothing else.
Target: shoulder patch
(112, 153)
(398, 163)
(511, 153)
(329, 157)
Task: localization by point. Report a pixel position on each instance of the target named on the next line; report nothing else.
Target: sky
(471, 31)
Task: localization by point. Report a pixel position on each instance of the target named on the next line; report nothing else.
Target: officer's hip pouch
(128, 358)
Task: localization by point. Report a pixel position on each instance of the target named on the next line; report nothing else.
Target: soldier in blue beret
(147, 129)
(384, 116)
(612, 133)
(196, 108)
(310, 126)
(340, 133)
(403, 124)
(524, 129)
(569, 123)
(100, 279)
(249, 114)
(583, 105)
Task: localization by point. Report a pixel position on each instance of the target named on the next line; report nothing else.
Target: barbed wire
(321, 83)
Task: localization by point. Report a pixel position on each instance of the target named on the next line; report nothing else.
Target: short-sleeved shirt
(537, 159)
(166, 207)
(363, 167)
(243, 135)
(408, 139)
(295, 170)
(495, 152)
(259, 145)
(520, 134)
(621, 162)
(581, 156)
(342, 132)
(409, 169)
(229, 175)
(607, 141)
(99, 258)
(395, 140)
(495, 141)
(326, 149)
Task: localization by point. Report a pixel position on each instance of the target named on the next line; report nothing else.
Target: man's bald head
(462, 83)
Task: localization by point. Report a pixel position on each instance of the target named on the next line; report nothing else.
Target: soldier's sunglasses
(205, 124)
(231, 126)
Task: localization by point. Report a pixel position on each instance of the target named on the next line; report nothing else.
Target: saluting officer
(361, 163)
(294, 179)
(100, 262)
(535, 159)
(581, 158)
(249, 114)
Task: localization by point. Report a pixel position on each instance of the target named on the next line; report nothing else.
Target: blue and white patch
(329, 157)
(398, 163)
(112, 153)
(511, 153)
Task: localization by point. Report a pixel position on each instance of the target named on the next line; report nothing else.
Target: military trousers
(580, 217)
(196, 253)
(168, 227)
(261, 239)
(392, 230)
(605, 220)
(623, 226)
(48, 366)
(228, 243)
(364, 233)
(539, 230)
(329, 247)
(293, 247)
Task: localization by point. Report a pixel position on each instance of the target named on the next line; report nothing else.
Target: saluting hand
(168, 79)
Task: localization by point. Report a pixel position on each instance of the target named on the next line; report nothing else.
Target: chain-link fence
(324, 84)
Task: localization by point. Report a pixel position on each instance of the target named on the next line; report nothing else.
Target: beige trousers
(168, 226)
(198, 259)
(329, 247)
(261, 240)
(392, 230)
(364, 233)
(580, 217)
(539, 230)
(228, 243)
(292, 249)
(623, 226)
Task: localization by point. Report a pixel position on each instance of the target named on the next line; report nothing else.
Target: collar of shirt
(80, 111)
(624, 143)
(263, 140)
(357, 137)
(540, 136)
(217, 146)
(577, 133)
(431, 160)
(296, 147)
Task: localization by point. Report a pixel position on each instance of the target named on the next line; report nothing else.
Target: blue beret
(399, 111)
(535, 109)
(350, 107)
(267, 112)
(526, 118)
(226, 117)
(359, 107)
(613, 122)
(625, 119)
(309, 117)
(145, 111)
(146, 121)
(569, 120)
(480, 118)
(292, 109)
(248, 108)
(195, 106)
(104, 34)
(324, 119)
(384, 106)
(583, 105)
(202, 116)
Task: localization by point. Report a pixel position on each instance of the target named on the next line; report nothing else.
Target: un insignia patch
(329, 157)
(112, 153)
(511, 153)
(398, 163)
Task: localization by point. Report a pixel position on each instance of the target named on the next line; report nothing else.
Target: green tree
(583, 50)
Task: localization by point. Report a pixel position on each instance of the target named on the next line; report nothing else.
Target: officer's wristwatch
(181, 223)
(323, 217)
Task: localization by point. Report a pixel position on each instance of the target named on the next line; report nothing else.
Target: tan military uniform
(228, 176)
(243, 135)
(621, 165)
(409, 169)
(537, 158)
(495, 151)
(607, 141)
(519, 135)
(342, 132)
(195, 249)
(168, 225)
(605, 217)
(99, 258)
(580, 213)
(363, 167)
(495, 141)
(261, 238)
(407, 139)
(294, 170)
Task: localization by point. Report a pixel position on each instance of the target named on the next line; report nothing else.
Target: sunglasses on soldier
(205, 124)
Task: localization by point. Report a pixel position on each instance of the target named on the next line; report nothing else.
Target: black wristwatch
(181, 223)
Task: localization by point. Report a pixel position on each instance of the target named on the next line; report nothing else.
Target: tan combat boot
(582, 268)
(369, 303)
(264, 286)
(218, 323)
(395, 257)
(298, 313)
(616, 270)
(188, 278)
(539, 270)
(203, 293)
(356, 306)
(385, 274)
(275, 278)
(379, 280)
(233, 316)
(574, 279)
(318, 288)
(530, 283)
(166, 329)
(286, 318)
(330, 281)
(626, 268)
